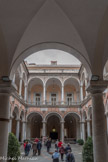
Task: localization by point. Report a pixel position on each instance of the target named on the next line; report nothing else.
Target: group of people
(36, 146)
(60, 149)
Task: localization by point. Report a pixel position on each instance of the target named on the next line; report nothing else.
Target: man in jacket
(48, 145)
(55, 156)
(70, 157)
(39, 146)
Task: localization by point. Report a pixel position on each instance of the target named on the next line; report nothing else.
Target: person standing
(34, 147)
(36, 140)
(56, 144)
(70, 157)
(62, 151)
(48, 145)
(55, 156)
(39, 146)
(60, 144)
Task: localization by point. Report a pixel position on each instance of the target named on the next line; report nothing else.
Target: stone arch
(51, 45)
(56, 78)
(72, 77)
(74, 113)
(35, 77)
(34, 125)
(53, 125)
(53, 113)
(72, 126)
(34, 112)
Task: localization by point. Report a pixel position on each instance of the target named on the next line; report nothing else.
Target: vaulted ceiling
(78, 27)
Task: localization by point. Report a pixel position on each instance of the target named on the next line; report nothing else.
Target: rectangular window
(53, 98)
(69, 98)
(37, 98)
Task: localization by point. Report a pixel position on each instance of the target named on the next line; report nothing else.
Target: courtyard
(45, 157)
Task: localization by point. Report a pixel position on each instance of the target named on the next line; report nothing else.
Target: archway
(72, 126)
(34, 126)
(53, 127)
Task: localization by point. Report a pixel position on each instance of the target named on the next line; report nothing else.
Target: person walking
(55, 156)
(62, 151)
(70, 157)
(27, 149)
(34, 147)
(39, 146)
(68, 147)
(48, 145)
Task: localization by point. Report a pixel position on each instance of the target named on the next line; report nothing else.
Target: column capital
(24, 121)
(88, 120)
(18, 120)
(7, 87)
(25, 85)
(82, 122)
(97, 86)
(62, 122)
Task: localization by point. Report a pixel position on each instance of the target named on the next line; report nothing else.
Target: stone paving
(45, 157)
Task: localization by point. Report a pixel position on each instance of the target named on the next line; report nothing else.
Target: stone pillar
(81, 92)
(44, 128)
(98, 121)
(62, 94)
(13, 79)
(88, 128)
(18, 128)
(107, 124)
(83, 130)
(86, 87)
(20, 87)
(44, 94)
(62, 131)
(23, 130)
(25, 93)
(5, 91)
(10, 125)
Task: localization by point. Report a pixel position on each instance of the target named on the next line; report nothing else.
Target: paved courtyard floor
(45, 157)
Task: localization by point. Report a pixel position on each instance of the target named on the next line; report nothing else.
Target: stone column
(62, 131)
(62, 95)
(98, 121)
(10, 124)
(107, 124)
(83, 130)
(17, 128)
(25, 93)
(20, 87)
(88, 128)
(81, 92)
(44, 128)
(5, 91)
(23, 130)
(86, 87)
(44, 94)
(13, 79)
